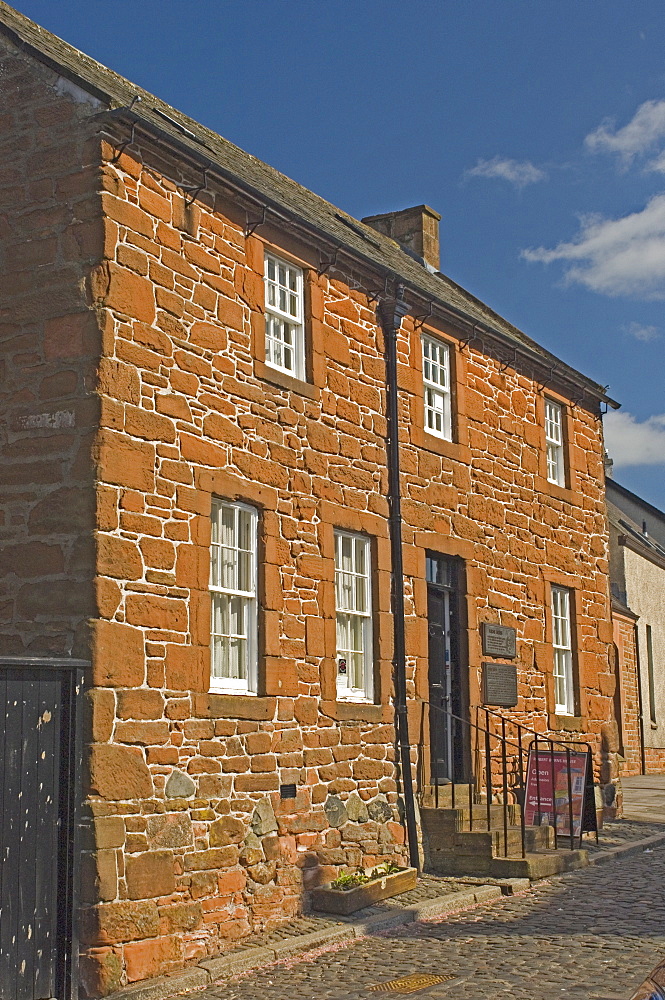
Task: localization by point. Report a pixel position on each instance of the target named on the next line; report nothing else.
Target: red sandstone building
(233, 416)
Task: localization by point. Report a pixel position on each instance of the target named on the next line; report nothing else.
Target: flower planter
(346, 901)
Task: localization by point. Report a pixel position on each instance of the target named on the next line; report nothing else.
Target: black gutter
(640, 705)
(391, 313)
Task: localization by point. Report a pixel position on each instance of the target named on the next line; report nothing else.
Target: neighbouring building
(201, 424)
(637, 571)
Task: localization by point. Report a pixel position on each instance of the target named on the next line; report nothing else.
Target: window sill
(215, 705)
(356, 711)
(230, 693)
(449, 449)
(564, 493)
(284, 381)
(353, 699)
(567, 723)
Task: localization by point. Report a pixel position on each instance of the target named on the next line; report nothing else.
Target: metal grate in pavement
(410, 984)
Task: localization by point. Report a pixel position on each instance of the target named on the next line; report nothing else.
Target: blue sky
(535, 127)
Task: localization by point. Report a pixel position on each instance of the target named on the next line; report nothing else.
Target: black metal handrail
(510, 765)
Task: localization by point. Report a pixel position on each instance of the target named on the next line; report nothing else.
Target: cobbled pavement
(594, 933)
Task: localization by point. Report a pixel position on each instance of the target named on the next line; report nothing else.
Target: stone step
(495, 844)
(442, 796)
(451, 820)
(535, 865)
(489, 844)
(540, 865)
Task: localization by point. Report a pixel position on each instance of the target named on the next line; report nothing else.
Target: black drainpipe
(638, 670)
(391, 313)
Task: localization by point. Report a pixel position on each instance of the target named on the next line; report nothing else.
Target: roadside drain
(410, 984)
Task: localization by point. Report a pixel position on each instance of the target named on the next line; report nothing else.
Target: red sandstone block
(130, 294)
(118, 557)
(118, 656)
(154, 204)
(144, 733)
(119, 773)
(151, 611)
(125, 462)
(187, 668)
(144, 959)
(140, 703)
(257, 782)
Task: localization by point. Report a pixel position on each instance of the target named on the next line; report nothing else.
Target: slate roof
(273, 188)
(625, 508)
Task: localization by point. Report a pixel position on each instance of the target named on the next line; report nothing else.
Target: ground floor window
(233, 590)
(353, 599)
(564, 695)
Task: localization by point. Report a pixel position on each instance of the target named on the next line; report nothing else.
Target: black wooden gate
(39, 769)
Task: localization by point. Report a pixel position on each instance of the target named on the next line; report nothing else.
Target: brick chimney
(417, 229)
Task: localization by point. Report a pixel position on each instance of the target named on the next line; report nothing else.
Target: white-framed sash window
(233, 591)
(436, 385)
(284, 311)
(556, 472)
(564, 693)
(353, 599)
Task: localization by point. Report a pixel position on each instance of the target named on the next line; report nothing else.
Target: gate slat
(28, 810)
(49, 830)
(11, 835)
(4, 916)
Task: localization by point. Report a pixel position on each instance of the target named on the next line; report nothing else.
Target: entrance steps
(457, 841)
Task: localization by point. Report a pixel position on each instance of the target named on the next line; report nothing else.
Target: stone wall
(51, 236)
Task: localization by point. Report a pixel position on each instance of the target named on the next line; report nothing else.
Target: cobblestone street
(593, 933)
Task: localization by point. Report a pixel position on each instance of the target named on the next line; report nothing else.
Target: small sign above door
(500, 684)
(499, 640)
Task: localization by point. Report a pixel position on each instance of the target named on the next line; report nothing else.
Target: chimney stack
(416, 229)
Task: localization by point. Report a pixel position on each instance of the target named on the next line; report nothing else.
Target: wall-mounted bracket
(251, 227)
(194, 190)
(325, 265)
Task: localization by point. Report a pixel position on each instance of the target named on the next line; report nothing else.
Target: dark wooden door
(440, 684)
(449, 733)
(37, 781)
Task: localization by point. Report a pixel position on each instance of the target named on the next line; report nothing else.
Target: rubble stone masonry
(188, 845)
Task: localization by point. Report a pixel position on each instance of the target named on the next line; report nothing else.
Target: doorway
(447, 690)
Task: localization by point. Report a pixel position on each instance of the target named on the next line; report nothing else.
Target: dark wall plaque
(500, 684)
(499, 640)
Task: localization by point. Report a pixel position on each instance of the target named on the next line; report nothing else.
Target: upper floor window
(564, 694)
(233, 576)
(353, 601)
(285, 334)
(436, 379)
(556, 472)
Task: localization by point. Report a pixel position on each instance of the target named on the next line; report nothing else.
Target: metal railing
(497, 756)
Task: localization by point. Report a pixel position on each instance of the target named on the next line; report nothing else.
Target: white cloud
(641, 332)
(630, 442)
(642, 133)
(624, 256)
(519, 174)
(657, 166)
